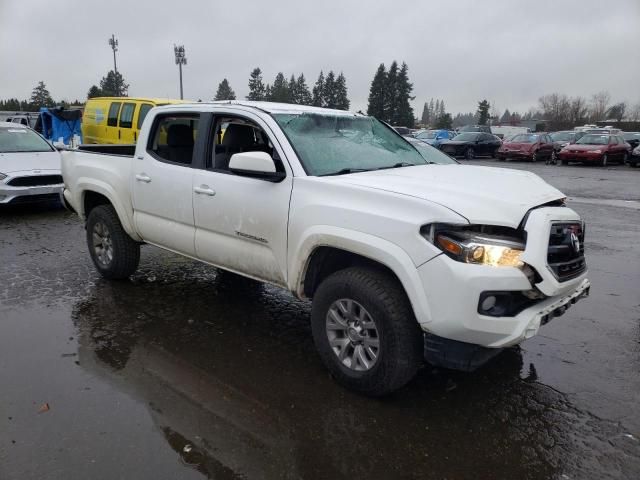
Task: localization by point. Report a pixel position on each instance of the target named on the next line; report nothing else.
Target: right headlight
(478, 247)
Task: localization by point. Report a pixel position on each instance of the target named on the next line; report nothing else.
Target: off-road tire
(126, 251)
(401, 339)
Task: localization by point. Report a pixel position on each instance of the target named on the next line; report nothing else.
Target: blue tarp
(58, 122)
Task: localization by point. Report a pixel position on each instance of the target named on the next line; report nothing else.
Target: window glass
(234, 135)
(593, 140)
(144, 109)
(112, 118)
(467, 137)
(20, 139)
(173, 138)
(126, 115)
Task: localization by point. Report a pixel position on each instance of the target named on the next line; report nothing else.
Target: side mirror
(255, 164)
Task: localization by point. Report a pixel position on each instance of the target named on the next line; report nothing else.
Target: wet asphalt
(183, 372)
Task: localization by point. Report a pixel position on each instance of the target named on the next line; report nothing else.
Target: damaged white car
(395, 251)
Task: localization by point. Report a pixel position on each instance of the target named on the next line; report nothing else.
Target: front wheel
(605, 160)
(469, 154)
(114, 253)
(554, 158)
(365, 331)
(534, 157)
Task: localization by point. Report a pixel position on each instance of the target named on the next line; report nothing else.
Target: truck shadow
(232, 381)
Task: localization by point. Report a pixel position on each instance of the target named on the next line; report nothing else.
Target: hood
(430, 141)
(27, 161)
(519, 146)
(483, 195)
(585, 148)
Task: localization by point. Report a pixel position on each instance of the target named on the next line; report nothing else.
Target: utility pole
(113, 42)
(181, 59)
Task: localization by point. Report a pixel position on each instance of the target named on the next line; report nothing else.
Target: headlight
(596, 151)
(469, 246)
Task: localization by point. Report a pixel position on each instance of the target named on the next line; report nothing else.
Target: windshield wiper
(345, 171)
(398, 165)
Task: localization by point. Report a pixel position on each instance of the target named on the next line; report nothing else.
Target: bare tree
(578, 110)
(634, 113)
(617, 111)
(556, 109)
(599, 105)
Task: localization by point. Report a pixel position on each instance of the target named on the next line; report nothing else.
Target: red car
(528, 146)
(596, 148)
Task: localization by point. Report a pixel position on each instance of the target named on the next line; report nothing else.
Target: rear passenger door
(162, 183)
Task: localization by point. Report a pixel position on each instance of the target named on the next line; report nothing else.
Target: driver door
(241, 221)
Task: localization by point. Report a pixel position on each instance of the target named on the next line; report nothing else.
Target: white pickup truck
(401, 256)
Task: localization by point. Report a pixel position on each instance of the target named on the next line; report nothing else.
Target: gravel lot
(183, 372)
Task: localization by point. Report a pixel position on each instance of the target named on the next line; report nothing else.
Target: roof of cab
(273, 107)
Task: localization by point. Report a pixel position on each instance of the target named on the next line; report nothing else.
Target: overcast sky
(510, 52)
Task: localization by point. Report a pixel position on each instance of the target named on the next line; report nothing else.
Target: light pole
(181, 59)
(113, 42)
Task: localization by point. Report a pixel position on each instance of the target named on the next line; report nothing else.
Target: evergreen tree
(342, 99)
(444, 122)
(403, 114)
(432, 110)
(483, 112)
(40, 96)
(94, 91)
(318, 91)
(329, 93)
(293, 90)
(225, 92)
(424, 120)
(377, 93)
(506, 116)
(391, 94)
(256, 87)
(442, 110)
(302, 91)
(113, 85)
(280, 89)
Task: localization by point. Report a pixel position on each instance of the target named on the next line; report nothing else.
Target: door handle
(204, 190)
(143, 177)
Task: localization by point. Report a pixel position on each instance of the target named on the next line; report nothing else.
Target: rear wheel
(554, 158)
(114, 253)
(469, 154)
(365, 331)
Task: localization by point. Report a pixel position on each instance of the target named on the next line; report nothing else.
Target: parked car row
(598, 145)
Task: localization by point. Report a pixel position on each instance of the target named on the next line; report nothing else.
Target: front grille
(27, 199)
(35, 181)
(565, 255)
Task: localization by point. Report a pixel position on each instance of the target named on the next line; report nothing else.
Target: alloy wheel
(352, 334)
(102, 244)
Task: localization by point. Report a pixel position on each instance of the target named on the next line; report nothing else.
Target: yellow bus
(117, 120)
